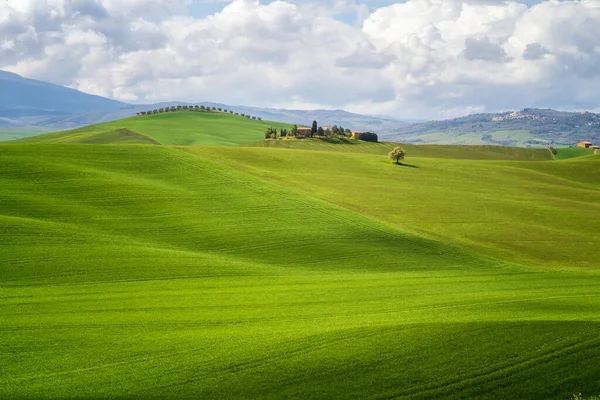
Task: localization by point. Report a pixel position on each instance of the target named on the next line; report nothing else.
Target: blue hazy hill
(28, 98)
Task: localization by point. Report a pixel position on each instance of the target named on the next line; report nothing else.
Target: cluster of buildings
(587, 145)
(518, 115)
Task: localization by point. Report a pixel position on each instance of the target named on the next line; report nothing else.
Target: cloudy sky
(408, 59)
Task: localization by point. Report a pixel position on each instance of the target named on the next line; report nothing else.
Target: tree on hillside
(397, 154)
(320, 131)
(348, 132)
(173, 108)
(230, 112)
(313, 129)
(294, 131)
(253, 117)
(283, 132)
(179, 107)
(214, 108)
(202, 107)
(220, 109)
(259, 118)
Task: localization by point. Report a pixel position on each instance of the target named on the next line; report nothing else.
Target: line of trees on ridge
(196, 108)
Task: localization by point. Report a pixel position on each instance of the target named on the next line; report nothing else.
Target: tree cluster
(271, 133)
(367, 137)
(340, 132)
(335, 132)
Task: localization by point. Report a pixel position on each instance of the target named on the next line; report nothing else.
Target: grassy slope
(563, 153)
(545, 213)
(147, 271)
(8, 134)
(172, 128)
(483, 152)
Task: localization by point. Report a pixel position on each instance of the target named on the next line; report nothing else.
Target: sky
(413, 59)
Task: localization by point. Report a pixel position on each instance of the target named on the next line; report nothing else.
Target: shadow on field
(407, 165)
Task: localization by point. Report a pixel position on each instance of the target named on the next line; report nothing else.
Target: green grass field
(317, 271)
(563, 153)
(174, 128)
(469, 152)
(545, 213)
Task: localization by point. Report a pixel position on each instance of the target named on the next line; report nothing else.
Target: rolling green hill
(135, 270)
(174, 128)
(572, 152)
(545, 213)
(469, 152)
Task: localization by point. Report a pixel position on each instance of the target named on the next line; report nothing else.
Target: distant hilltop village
(530, 127)
(535, 115)
(518, 115)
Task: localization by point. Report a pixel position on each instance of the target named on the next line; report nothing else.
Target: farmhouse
(355, 135)
(304, 132)
(585, 145)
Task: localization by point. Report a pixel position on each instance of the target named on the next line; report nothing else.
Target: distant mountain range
(27, 102)
(301, 117)
(530, 127)
(30, 103)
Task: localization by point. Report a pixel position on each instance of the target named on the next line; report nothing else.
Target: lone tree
(397, 154)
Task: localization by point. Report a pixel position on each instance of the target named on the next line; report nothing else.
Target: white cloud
(419, 58)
